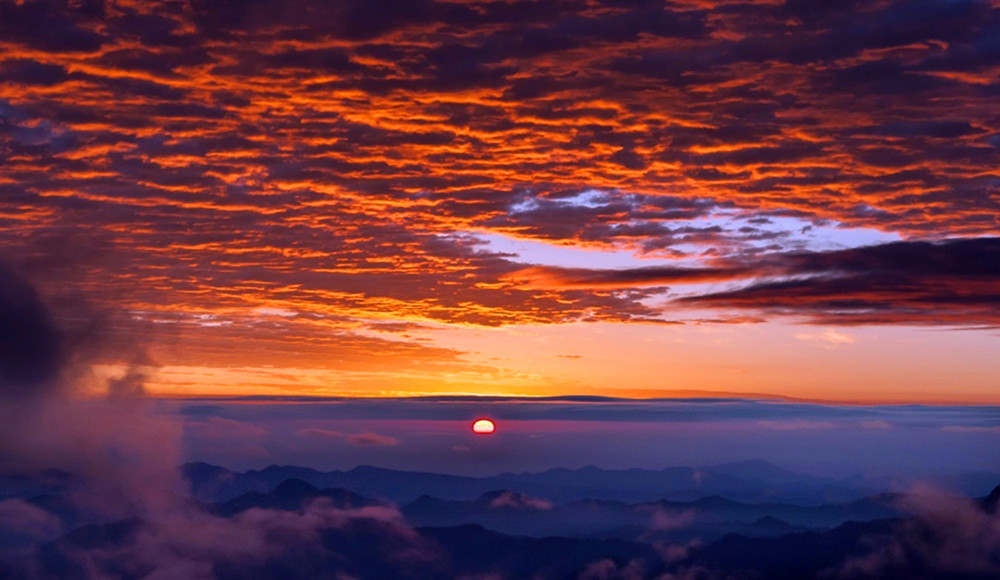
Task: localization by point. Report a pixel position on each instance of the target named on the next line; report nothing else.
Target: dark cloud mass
(31, 346)
(950, 283)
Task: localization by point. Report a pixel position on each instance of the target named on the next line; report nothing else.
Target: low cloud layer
(434, 433)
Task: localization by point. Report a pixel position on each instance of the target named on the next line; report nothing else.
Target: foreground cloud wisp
(126, 510)
(950, 536)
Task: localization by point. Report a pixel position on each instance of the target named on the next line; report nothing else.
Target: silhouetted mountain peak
(103, 535)
(884, 498)
(752, 468)
(295, 488)
(772, 523)
(283, 472)
(510, 499)
(293, 494)
(991, 503)
(368, 469)
(199, 469)
(714, 501)
(601, 503)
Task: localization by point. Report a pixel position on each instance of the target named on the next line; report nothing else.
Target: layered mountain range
(753, 519)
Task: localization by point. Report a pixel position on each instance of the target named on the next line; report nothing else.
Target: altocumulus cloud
(345, 155)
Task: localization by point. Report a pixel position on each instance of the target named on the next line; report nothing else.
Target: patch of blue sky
(788, 233)
(546, 253)
(817, 236)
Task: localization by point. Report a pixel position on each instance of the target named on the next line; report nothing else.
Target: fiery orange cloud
(209, 167)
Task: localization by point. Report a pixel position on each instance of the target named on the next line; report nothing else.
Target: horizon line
(687, 396)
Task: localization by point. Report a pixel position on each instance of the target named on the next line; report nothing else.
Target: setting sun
(483, 427)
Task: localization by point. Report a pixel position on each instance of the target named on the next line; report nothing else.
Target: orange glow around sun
(483, 427)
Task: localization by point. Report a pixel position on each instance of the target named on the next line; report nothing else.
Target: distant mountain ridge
(747, 481)
(518, 514)
(678, 521)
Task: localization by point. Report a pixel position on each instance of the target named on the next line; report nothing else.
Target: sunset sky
(641, 199)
